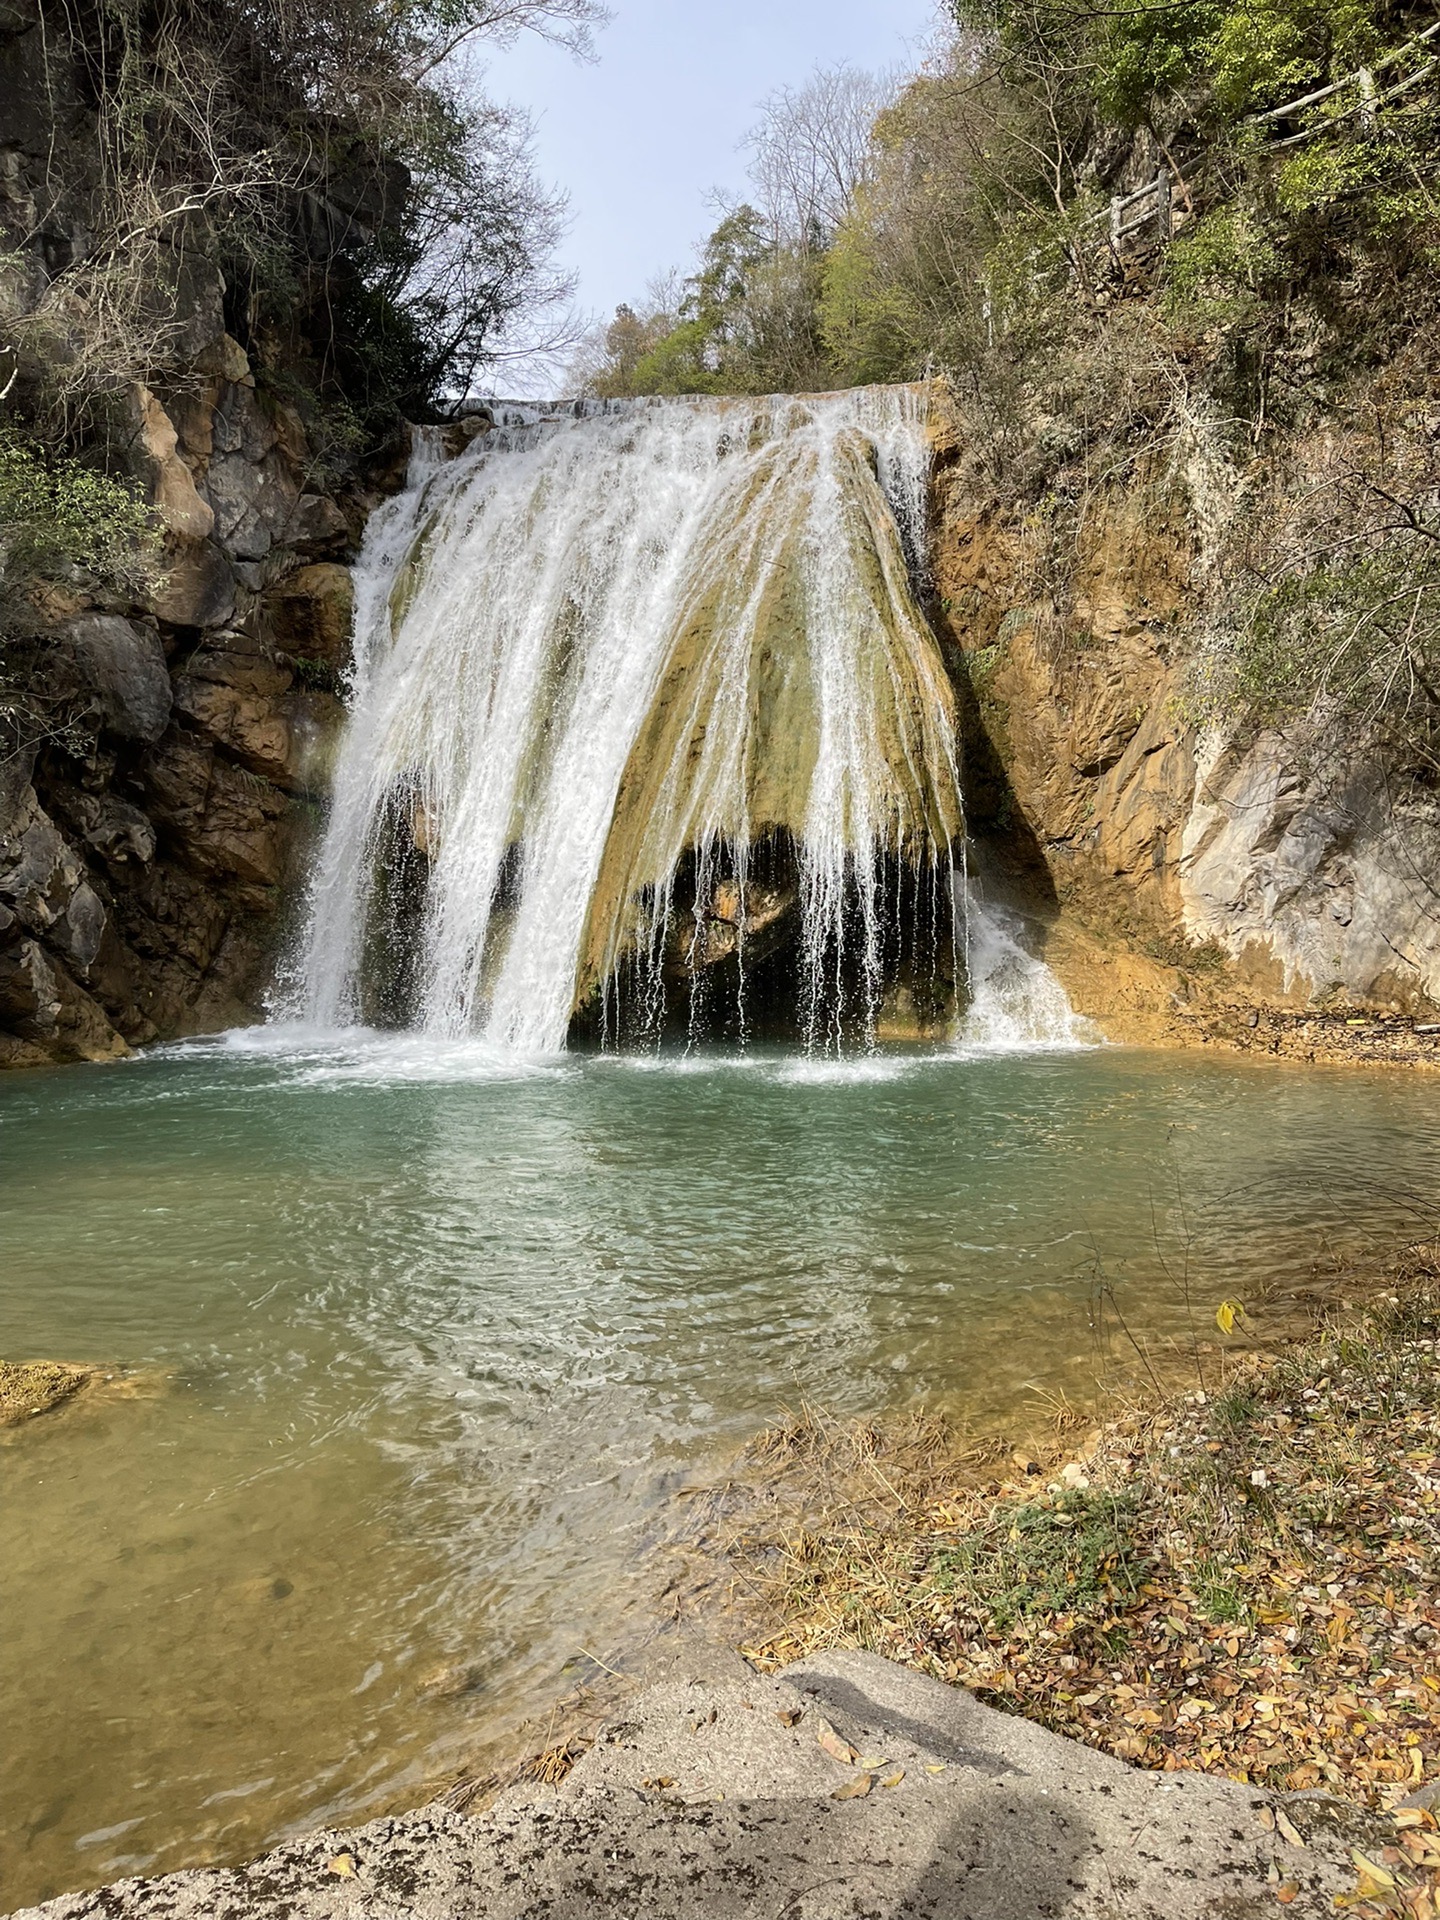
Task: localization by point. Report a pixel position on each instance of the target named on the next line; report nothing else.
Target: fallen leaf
(837, 1748)
(789, 1716)
(938, 1768)
(893, 1778)
(1371, 1869)
(343, 1863)
(1287, 1893)
(855, 1789)
(1287, 1828)
(660, 1780)
(1266, 1817)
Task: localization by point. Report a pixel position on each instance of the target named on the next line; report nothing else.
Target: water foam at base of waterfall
(1016, 1002)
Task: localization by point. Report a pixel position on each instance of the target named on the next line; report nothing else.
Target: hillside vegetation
(324, 174)
(1256, 346)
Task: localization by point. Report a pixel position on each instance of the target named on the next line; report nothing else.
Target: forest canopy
(895, 229)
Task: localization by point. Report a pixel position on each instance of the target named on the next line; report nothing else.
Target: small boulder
(122, 666)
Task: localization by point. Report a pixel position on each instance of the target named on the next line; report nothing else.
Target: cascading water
(642, 693)
(1016, 1002)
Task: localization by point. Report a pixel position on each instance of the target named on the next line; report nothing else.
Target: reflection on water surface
(429, 1333)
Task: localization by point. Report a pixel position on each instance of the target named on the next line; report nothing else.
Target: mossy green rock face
(604, 655)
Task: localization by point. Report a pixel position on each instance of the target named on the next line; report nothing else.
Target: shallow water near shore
(432, 1335)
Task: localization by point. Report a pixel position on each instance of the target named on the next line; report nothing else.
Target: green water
(420, 1344)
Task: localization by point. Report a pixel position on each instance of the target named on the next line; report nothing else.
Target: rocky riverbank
(1183, 1662)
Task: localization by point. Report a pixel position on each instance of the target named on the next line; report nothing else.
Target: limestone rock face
(310, 611)
(145, 845)
(1184, 870)
(43, 885)
(169, 482)
(197, 587)
(150, 772)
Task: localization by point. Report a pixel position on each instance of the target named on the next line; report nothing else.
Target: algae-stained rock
(35, 1386)
(742, 728)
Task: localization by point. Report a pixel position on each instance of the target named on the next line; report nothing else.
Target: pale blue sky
(639, 139)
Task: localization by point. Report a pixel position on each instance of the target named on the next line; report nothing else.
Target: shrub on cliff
(58, 517)
(324, 165)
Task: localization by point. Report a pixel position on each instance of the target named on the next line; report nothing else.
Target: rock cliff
(162, 744)
(1185, 882)
(1271, 890)
(144, 847)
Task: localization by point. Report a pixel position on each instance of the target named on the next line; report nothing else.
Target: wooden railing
(1153, 207)
(1370, 99)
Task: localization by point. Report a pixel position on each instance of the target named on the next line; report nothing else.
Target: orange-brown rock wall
(1179, 881)
(148, 849)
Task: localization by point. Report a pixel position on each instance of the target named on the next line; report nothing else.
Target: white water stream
(612, 644)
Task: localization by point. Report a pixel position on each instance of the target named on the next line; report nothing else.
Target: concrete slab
(846, 1788)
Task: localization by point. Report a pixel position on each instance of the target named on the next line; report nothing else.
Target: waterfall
(642, 706)
(1016, 1003)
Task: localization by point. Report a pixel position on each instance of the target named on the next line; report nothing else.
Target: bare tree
(811, 148)
(304, 137)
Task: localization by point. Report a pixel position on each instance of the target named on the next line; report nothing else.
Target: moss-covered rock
(35, 1386)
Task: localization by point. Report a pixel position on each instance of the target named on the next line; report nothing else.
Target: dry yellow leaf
(1371, 1869)
(893, 1778)
(1413, 1817)
(831, 1741)
(343, 1863)
(854, 1789)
